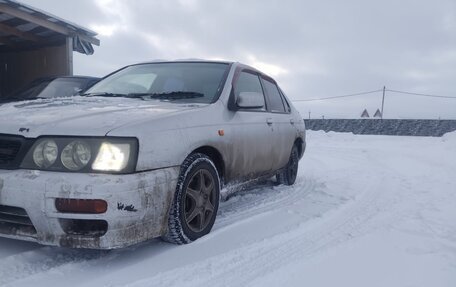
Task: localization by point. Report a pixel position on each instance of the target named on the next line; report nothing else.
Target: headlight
(112, 157)
(76, 155)
(45, 153)
(83, 154)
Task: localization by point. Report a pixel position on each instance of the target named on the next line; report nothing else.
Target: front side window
(248, 82)
(181, 82)
(274, 97)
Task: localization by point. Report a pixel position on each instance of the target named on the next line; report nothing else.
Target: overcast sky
(312, 48)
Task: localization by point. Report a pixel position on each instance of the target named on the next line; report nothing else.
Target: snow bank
(449, 137)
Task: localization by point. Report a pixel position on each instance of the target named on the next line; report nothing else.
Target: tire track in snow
(301, 243)
(260, 199)
(298, 244)
(241, 266)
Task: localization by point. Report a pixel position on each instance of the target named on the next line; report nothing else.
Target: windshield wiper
(176, 95)
(104, 94)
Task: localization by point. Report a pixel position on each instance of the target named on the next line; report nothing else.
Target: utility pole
(383, 102)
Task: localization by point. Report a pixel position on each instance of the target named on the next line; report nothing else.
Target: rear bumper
(138, 206)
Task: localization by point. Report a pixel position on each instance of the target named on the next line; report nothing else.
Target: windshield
(182, 82)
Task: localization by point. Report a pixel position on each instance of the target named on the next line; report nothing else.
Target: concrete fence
(433, 128)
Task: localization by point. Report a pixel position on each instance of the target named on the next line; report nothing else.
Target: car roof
(184, 61)
(159, 61)
(235, 64)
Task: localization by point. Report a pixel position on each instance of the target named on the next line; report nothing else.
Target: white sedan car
(142, 154)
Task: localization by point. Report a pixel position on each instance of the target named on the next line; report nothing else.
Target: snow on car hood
(89, 116)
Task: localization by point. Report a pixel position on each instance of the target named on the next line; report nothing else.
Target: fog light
(89, 206)
(84, 227)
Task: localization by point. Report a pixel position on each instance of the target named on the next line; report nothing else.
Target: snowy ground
(365, 211)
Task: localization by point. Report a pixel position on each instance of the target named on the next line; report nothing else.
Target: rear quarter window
(285, 102)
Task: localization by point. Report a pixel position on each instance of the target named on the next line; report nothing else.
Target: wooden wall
(18, 68)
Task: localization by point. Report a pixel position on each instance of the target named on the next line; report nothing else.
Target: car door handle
(292, 122)
(269, 121)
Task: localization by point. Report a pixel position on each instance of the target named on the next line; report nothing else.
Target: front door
(252, 133)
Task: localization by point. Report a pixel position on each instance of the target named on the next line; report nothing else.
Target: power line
(336, 97)
(422, 95)
(375, 91)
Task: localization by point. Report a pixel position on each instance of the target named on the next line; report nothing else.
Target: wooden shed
(35, 44)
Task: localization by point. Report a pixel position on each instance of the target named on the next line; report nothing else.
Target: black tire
(288, 175)
(194, 208)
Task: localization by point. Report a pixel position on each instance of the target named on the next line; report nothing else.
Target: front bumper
(138, 206)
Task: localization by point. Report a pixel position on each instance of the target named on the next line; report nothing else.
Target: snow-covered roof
(25, 27)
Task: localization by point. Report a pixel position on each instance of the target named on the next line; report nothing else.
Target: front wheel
(196, 200)
(288, 175)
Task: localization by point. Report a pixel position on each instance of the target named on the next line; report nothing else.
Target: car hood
(80, 116)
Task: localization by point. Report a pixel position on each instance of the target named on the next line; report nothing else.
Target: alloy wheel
(199, 200)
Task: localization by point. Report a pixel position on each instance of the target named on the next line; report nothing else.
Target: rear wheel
(196, 200)
(288, 175)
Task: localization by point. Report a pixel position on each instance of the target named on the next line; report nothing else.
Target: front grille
(15, 221)
(9, 149)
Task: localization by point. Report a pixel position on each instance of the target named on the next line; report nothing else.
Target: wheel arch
(299, 143)
(216, 156)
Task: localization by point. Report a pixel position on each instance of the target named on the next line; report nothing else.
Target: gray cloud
(313, 48)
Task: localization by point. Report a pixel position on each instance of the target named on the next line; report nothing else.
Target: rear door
(279, 113)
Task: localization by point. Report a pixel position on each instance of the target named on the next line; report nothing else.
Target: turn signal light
(88, 206)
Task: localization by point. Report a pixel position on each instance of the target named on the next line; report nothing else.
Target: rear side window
(285, 102)
(248, 82)
(274, 97)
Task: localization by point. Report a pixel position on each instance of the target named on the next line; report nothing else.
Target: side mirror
(250, 100)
